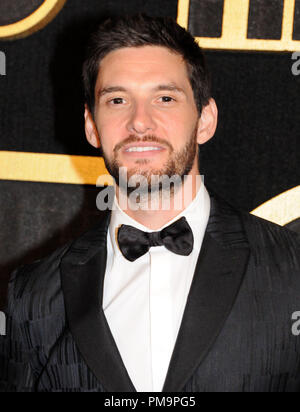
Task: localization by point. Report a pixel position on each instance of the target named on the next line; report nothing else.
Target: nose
(141, 119)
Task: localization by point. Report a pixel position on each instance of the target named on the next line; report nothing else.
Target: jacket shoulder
(274, 242)
(271, 245)
(35, 294)
(39, 276)
(266, 228)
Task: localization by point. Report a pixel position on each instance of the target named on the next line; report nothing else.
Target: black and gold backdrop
(48, 170)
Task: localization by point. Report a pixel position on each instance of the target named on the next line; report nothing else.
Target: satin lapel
(218, 275)
(82, 272)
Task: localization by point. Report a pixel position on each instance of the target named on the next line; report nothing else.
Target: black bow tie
(177, 237)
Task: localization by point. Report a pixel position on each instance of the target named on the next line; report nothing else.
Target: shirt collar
(196, 214)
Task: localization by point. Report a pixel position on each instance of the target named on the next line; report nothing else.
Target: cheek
(110, 135)
(110, 122)
(183, 118)
(179, 129)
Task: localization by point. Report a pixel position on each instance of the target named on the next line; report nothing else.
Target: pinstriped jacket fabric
(235, 336)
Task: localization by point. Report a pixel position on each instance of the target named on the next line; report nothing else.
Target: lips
(142, 147)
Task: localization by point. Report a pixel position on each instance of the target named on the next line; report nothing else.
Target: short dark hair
(142, 30)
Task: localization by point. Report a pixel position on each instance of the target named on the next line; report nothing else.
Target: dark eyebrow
(171, 87)
(111, 89)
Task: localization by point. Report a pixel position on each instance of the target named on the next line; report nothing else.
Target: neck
(155, 211)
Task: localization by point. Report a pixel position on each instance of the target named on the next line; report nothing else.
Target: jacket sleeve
(16, 373)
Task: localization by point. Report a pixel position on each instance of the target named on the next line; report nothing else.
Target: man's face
(145, 113)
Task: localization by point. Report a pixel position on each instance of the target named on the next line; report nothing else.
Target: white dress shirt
(144, 300)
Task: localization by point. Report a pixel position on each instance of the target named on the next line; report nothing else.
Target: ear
(91, 132)
(207, 123)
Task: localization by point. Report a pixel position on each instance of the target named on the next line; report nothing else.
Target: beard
(178, 165)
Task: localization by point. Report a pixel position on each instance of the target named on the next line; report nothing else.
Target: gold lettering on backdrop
(51, 168)
(34, 22)
(281, 209)
(235, 28)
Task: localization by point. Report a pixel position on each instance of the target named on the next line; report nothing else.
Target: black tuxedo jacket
(236, 332)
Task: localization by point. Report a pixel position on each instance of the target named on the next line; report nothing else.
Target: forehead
(142, 64)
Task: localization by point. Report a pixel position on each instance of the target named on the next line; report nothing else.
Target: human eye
(117, 101)
(166, 99)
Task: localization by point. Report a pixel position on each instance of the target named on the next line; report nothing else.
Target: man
(192, 297)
